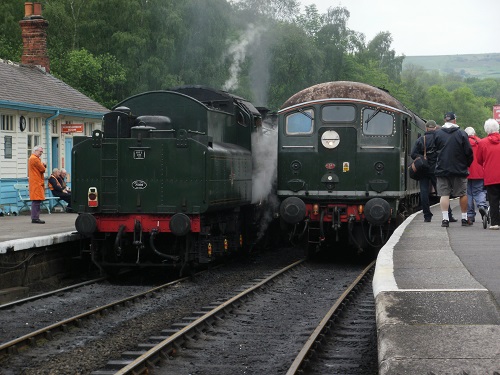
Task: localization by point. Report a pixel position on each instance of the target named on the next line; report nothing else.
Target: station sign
(496, 113)
(71, 128)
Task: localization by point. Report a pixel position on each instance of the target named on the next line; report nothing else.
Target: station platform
(437, 293)
(18, 233)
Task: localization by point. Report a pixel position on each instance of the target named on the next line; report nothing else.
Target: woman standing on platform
(488, 155)
(36, 169)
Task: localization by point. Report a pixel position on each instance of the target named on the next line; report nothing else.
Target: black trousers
(64, 196)
(494, 200)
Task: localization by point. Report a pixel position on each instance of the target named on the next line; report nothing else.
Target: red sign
(71, 128)
(496, 112)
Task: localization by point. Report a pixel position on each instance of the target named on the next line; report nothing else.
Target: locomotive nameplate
(139, 184)
(139, 154)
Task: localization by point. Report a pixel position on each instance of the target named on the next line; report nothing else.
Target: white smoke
(265, 155)
(265, 161)
(238, 50)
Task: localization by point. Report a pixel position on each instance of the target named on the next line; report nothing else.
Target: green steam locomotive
(168, 179)
(343, 151)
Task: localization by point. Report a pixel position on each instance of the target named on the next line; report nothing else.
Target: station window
(33, 137)
(33, 125)
(377, 122)
(7, 147)
(55, 124)
(300, 122)
(7, 122)
(338, 113)
(88, 128)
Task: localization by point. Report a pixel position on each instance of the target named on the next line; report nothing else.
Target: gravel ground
(28, 317)
(83, 350)
(265, 334)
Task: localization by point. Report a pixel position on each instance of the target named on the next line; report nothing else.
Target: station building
(37, 109)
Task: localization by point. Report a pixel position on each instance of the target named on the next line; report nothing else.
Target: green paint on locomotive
(346, 142)
(197, 162)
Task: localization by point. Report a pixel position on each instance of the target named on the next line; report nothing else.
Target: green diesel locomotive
(343, 153)
(168, 180)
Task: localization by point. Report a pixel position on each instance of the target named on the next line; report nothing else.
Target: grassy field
(481, 66)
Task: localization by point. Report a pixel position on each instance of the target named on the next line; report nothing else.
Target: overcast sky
(426, 27)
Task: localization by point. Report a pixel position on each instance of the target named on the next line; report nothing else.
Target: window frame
(379, 111)
(311, 113)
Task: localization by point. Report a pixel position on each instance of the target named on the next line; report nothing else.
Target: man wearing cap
(431, 155)
(453, 160)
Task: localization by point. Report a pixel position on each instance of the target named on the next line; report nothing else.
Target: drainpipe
(48, 140)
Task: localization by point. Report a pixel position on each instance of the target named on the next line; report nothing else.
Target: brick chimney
(34, 33)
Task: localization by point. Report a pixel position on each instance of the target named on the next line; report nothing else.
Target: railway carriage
(168, 180)
(343, 151)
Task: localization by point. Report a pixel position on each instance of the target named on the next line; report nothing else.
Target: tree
(311, 21)
(295, 63)
(334, 40)
(417, 91)
(100, 78)
(10, 32)
(281, 10)
(379, 50)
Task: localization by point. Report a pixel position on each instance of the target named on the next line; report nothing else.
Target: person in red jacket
(36, 182)
(488, 155)
(475, 182)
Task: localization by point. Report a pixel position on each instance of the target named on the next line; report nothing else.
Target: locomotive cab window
(243, 119)
(338, 113)
(377, 122)
(300, 122)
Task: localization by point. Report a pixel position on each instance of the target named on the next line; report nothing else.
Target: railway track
(47, 332)
(51, 293)
(344, 336)
(88, 340)
(256, 331)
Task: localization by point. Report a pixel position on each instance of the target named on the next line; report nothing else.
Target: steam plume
(265, 154)
(239, 50)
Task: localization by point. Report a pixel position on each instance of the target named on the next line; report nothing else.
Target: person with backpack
(452, 166)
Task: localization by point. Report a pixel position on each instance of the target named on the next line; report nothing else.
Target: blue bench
(23, 194)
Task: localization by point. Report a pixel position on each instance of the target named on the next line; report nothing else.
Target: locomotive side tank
(342, 157)
(168, 180)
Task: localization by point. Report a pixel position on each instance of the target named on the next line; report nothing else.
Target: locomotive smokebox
(377, 211)
(86, 224)
(293, 210)
(180, 224)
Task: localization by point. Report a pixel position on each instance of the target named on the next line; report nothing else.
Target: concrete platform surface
(437, 293)
(18, 233)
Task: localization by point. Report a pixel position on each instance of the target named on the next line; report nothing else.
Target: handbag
(419, 167)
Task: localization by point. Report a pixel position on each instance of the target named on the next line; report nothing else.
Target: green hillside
(481, 66)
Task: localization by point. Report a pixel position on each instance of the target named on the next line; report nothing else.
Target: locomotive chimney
(34, 33)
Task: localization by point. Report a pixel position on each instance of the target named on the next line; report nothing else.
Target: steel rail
(314, 338)
(13, 346)
(47, 294)
(142, 364)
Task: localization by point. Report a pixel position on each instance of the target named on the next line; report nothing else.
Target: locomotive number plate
(139, 154)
